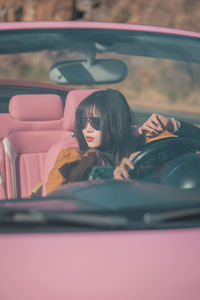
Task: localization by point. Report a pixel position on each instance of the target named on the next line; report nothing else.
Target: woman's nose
(88, 127)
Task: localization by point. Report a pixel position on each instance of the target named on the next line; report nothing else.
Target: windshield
(163, 70)
(157, 71)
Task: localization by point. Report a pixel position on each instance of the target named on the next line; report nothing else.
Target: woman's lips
(89, 139)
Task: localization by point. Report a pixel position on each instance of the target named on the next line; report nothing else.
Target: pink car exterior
(133, 264)
(113, 265)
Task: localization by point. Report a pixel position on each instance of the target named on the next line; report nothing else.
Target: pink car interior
(36, 130)
(74, 98)
(34, 124)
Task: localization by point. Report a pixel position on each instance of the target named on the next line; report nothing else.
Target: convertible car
(101, 238)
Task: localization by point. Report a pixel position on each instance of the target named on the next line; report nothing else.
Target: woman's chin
(93, 145)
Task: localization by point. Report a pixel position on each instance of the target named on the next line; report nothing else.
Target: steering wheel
(155, 154)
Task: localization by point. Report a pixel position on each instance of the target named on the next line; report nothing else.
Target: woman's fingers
(126, 162)
(121, 171)
(169, 124)
(156, 124)
(150, 128)
(133, 155)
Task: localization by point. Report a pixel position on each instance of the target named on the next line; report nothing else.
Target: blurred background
(156, 85)
(181, 14)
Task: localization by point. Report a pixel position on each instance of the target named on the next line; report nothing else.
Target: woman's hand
(120, 172)
(157, 123)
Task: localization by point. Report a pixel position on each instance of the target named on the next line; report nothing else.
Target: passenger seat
(37, 125)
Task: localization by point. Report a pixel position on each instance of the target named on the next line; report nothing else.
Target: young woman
(105, 128)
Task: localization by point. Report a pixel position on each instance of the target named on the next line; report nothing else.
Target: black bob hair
(117, 120)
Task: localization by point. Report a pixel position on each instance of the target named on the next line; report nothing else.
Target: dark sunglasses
(95, 122)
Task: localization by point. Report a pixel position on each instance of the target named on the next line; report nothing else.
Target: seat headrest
(37, 107)
(74, 98)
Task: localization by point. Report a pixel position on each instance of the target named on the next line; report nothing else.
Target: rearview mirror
(101, 71)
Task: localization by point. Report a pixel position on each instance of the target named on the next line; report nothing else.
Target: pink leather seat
(73, 99)
(3, 193)
(37, 121)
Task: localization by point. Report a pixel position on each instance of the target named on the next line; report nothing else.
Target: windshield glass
(157, 72)
(166, 80)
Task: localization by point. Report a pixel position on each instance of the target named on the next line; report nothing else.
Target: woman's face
(92, 130)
